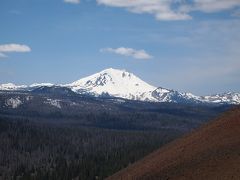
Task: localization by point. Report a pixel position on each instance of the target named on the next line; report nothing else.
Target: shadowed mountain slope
(211, 152)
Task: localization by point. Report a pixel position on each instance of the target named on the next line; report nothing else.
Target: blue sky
(184, 45)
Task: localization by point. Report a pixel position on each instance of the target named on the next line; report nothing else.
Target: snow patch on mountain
(28, 98)
(167, 95)
(13, 102)
(54, 102)
(229, 98)
(11, 87)
(35, 85)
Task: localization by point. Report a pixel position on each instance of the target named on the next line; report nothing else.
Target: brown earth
(209, 153)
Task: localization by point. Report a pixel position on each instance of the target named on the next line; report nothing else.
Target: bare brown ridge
(210, 153)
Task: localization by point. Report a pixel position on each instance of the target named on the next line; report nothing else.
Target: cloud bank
(137, 54)
(172, 9)
(9, 48)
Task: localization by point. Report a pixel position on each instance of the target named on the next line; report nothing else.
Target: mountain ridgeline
(122, 84)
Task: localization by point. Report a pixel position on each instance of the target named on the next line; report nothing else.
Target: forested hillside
(45, 151)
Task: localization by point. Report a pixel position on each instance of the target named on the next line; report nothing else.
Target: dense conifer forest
(30, 150)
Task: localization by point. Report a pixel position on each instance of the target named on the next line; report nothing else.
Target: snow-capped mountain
(123, 84)
(166, 95)
(229, 98)
(41, 85)
(12, 87)
(117, 83)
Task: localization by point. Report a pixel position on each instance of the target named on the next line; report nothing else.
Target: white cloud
(8, 48)
(72, 1)
(161, 9)
(172, 9)
(215, 5)
(137, 54)
(2, 55)
(14, 48)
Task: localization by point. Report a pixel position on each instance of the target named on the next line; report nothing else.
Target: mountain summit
(123, 84)
(114, 82)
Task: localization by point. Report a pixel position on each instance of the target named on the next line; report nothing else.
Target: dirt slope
(209, 153)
